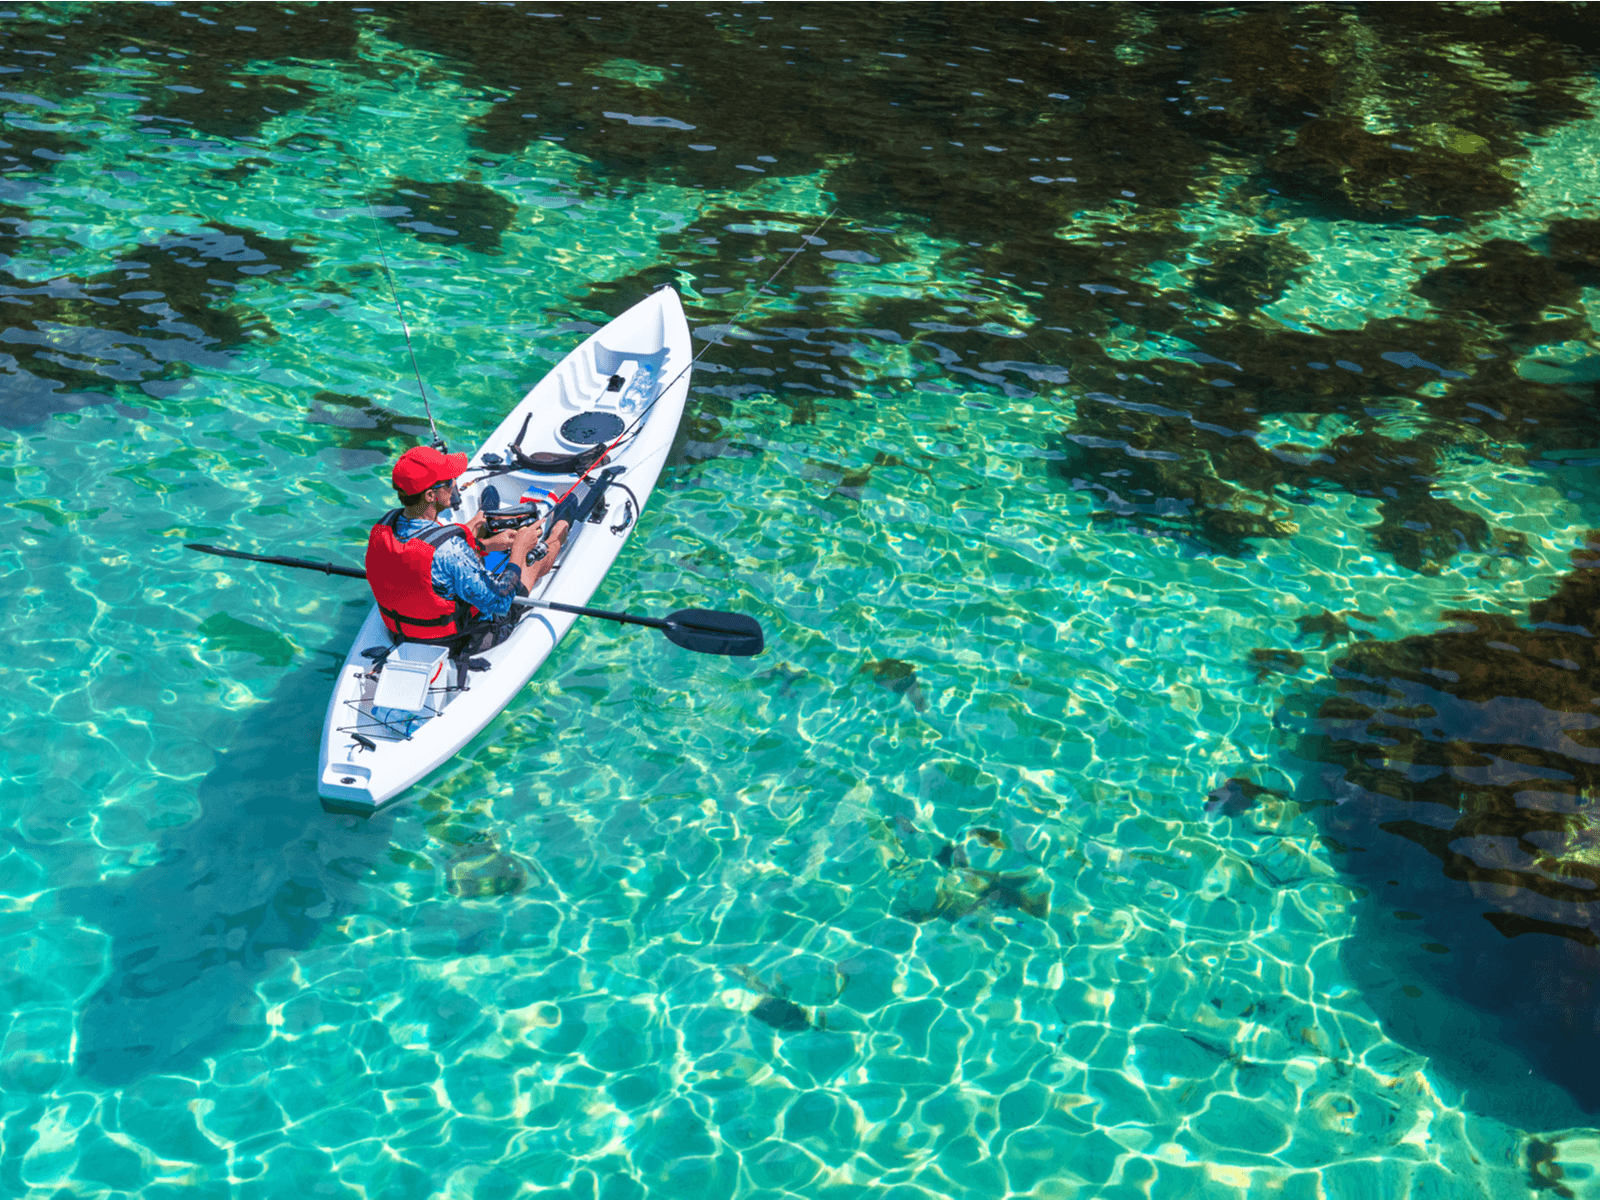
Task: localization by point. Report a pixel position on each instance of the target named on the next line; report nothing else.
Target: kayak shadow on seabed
(251, 880)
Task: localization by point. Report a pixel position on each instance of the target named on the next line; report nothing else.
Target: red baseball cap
(421, 467)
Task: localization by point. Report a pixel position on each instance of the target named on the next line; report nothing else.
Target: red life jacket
(401, 577)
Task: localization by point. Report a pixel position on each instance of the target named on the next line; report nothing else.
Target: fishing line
(805, 240)
(377, 237)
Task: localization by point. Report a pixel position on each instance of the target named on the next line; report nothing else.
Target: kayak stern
(347, 786)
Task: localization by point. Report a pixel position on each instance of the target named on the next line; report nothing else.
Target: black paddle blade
(712, 632)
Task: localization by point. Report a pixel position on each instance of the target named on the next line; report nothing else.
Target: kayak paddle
(701, 629)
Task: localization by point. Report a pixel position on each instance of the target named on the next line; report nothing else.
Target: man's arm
(460, 573)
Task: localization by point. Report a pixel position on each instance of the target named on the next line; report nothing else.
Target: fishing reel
(497, 519)
(501, 519)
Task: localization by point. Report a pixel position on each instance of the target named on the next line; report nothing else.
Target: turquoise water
(1039, 490)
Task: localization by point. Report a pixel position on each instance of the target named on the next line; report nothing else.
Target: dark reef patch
(26, 149)
(997, 132)
(1343, 169)
(1250, 272)
(463, 214)
(1575, 241)
(1331, 627)
(1575, 244)
(200, 62)
(363, 427)
(236, 106)
(1506, 284)
(160, 309)
(1035, 138)
(1465, 770)
(899, 677)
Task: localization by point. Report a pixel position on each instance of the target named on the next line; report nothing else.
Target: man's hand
(523, 541)
(500, 541)
(527, 536)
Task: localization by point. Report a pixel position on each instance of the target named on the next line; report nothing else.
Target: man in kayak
(429, 578)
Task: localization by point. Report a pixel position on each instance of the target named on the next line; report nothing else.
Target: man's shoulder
(438, 532)
(456, 550)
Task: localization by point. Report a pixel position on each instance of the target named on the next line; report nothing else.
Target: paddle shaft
(303, 563)
(604, 614)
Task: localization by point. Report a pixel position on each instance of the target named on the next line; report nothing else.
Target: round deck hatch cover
(591, 428)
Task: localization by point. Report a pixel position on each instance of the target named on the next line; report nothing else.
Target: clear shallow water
(931, 464)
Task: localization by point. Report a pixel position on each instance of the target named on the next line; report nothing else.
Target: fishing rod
(377, 237)
(806, 239)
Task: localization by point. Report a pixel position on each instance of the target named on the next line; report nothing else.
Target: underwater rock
(980, 872)
(365, 426)
(481, 869)
(961, 891)
(1237, 796)
(1526, 417)
(1261, 71)
(1331, 627)
(699, 439)
(1422, 533)
(899, 677)
(160, 310)
(237, 105)
(786, 677)
(803, 407)
(25, 150)
(1466, 769)
(992, 838)
(242, 169)
(1574, 240)
(1284, 62)
(774, 1008)
(855, 482)
(193, 66)
(451, 213)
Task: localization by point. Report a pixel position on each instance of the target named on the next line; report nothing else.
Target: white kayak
(628, 380)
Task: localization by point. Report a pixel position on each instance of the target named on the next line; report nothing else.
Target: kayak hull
(632, 375)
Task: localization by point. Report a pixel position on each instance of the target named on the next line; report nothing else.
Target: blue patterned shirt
(460, 574)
